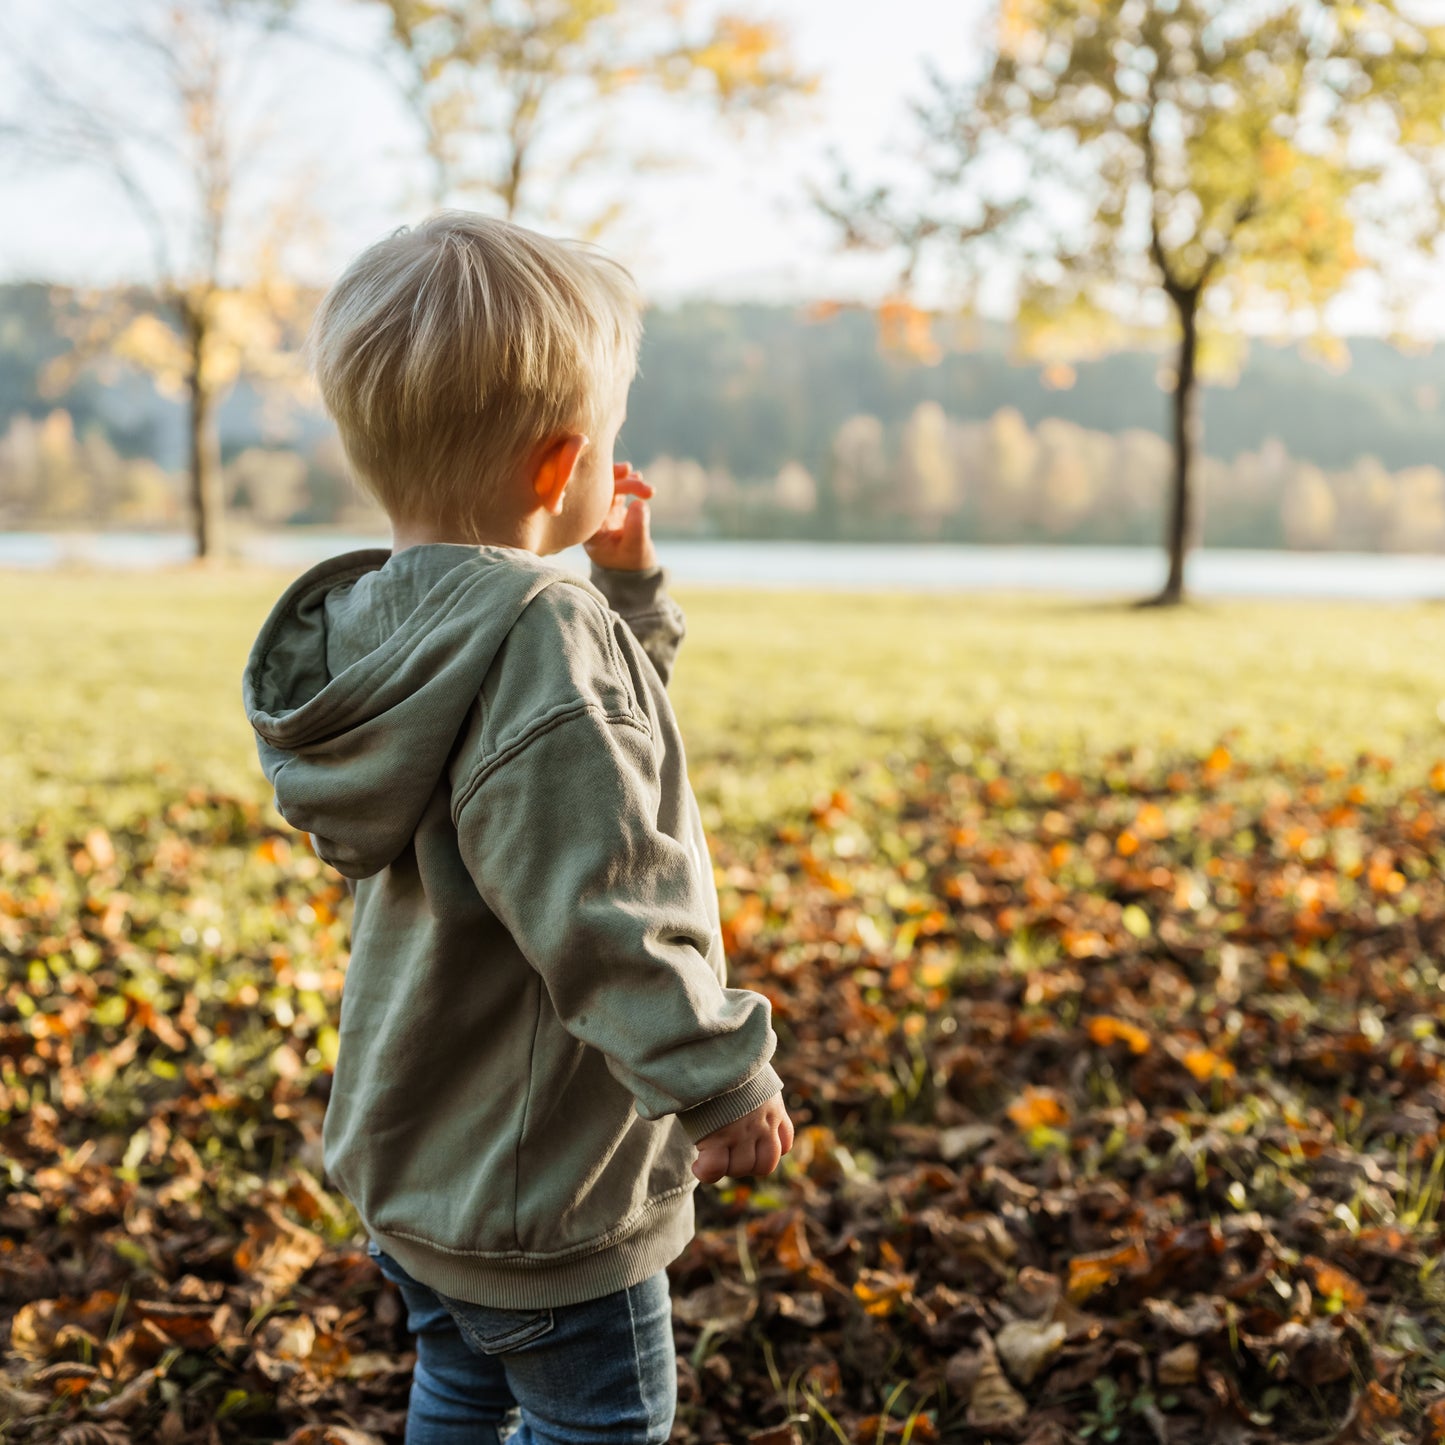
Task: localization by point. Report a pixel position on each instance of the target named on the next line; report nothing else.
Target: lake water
(1096, 571)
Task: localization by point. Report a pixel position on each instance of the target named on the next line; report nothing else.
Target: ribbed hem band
(511, 1285)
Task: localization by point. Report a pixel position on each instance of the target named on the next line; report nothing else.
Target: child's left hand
(624, 542)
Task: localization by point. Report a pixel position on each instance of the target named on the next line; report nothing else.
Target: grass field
(1103, 948)
(107, 677)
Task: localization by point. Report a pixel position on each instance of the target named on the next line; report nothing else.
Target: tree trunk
(1179, 534)
(207, 502)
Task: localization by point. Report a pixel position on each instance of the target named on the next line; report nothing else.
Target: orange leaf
(1334, 1283)
(1084, 943)
(1218, 761)
(1091, 1272)
(1036, 1108)
(1151, 823)
(881, 1292)
(791, 1249)
(1104, 1030)
(1205, 1064)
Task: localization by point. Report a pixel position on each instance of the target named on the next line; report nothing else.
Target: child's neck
(526, 533)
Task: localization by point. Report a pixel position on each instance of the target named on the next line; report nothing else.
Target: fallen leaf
(994, 1403)
(1179, 1366)
(1026, 1346)
(725, 1306)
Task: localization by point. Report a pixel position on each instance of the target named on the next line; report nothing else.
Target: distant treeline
(944, 480)
(757, 420)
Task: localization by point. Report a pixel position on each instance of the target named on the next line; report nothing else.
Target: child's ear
(554, 470)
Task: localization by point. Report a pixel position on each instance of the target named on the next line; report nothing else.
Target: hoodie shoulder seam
(549, 723)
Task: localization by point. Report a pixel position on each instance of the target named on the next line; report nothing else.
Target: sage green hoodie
(535, 1026)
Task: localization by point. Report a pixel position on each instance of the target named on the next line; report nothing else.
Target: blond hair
(448, 352)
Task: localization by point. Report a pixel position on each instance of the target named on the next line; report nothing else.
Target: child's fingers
(742, 1157)
(634, 524)
(632, 486)
(785, 1134)
(768, 1156)
(711, 1162)
(616, 518)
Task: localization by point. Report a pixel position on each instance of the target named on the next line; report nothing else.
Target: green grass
(109, 677)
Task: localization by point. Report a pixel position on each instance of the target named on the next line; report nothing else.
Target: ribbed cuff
(723, 1109)
(630, 592)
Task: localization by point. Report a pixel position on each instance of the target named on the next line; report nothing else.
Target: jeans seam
(637, 1366)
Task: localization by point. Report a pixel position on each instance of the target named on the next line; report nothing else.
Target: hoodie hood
(362, 677)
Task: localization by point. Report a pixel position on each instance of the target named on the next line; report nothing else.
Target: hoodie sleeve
(559, 826)
(643, 602)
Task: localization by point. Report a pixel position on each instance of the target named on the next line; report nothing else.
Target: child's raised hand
(624, 540)
(753, 1144)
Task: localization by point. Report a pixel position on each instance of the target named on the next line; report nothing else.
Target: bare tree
(172, 106)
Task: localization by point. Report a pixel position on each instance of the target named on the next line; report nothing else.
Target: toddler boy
(539, 1058)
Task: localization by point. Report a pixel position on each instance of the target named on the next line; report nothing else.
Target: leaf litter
(1119, 1095)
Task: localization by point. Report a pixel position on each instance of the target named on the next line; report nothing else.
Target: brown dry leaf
(961, 1372)
(283, 1346)
(824, 1379)
(329, 1357)
(35, 1327)
(980, 1236)
(133, 1349)
(1206, 1316)
(306, 1196)
(123, 1405)
(994, 1403)
(726, 1306)
(963, 1140)
(1179, 1366)
(806, 1308)
(17, 1403)
(67, 1378)
(1035, 1293)
(1026, 1346)
(276, 1253)
(91, 1432)
(371, 1362)
(1318, 1354)
(191, 1326)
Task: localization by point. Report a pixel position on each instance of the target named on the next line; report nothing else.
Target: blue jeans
(602, 1371)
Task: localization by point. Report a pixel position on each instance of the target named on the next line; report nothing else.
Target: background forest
(803, 422)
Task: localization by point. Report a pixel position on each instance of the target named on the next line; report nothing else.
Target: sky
(734, 223)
